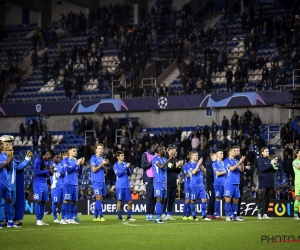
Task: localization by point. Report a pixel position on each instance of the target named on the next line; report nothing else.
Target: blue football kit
(4, 187)
(98, 178)
(57, 183)
(231, 188)
(219, 181)
(196, 182)
(71, 170)
(187, 189)
(122, 182)
(160, 177)
(41, 172)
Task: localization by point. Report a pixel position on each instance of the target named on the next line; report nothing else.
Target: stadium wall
(14, 17)
(156, 119)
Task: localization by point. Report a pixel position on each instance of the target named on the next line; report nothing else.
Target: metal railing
(295, 76)
(151, 80)
(113, 86)
(279, 141)
(272, 128)
(118, 134)
(86, 135)
(166, 53)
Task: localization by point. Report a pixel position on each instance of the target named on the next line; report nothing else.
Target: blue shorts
(70, 192)
(160, 190)
(219, 191)
(99, 188)
(187, 192)
(4, 189)
(40, 191)
(232, 191)
(198, 193)
(57, 195)
(123, 194)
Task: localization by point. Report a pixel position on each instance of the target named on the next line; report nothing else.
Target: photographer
(266, 169)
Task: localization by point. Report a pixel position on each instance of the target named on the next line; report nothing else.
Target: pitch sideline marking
(129, 224)
(114, 226)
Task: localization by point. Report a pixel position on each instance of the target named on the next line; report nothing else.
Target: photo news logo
(272, 239)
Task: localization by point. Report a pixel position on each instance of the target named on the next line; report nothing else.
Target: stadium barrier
(248, 208)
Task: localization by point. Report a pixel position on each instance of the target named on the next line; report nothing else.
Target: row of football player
(64, 184)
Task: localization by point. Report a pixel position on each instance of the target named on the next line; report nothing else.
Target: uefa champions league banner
(148, 103)
(248, 208)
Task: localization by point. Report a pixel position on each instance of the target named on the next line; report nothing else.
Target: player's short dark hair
(56, 153)
(191, 153)
(219, 150)
(119, 153)
(229, 149)
(153, 143)
(71, 147)
(159, 148)
(51, 152)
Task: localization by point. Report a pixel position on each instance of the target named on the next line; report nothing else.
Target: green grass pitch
(141, 234)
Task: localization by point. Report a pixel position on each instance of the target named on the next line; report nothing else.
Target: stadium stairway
(171, 79)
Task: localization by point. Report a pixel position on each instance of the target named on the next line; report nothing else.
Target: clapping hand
(242, 159)
(179, 164)
(200, 161)
(128, 165)
(80, 161)
(105, 162)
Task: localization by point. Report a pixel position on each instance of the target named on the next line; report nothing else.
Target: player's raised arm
(199, 164)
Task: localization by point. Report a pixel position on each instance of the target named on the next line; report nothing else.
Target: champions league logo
(162, 102)
(2, 110)
(92, 207)
(38, 108)
(81, 108)
(253, 98)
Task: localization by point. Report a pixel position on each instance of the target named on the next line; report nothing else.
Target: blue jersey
(41, 170)
(71, 171)
(3, 171)
(218, 166)
(233, 177)
(195, 179)
(57, 179)
(122, 172)
(160, 174)
(186, 179)
(99, 175)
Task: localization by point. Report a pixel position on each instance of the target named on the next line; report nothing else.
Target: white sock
(265, 215)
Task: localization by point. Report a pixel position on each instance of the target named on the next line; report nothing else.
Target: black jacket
(172, 175)
(209, 174)
(265, 173)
